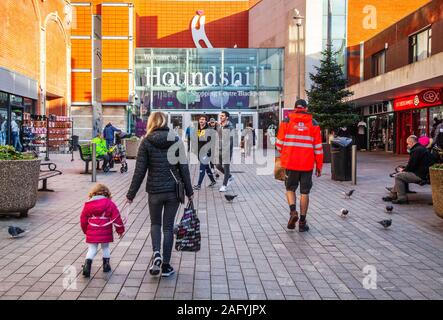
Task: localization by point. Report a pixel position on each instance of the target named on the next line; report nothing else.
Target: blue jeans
(109, 143)
(16, 141)
(205, 168)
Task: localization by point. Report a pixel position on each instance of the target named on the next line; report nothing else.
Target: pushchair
(119, 152)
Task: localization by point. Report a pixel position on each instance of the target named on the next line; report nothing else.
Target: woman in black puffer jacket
(156, 156)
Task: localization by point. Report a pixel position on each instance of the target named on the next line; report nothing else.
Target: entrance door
(175, 122)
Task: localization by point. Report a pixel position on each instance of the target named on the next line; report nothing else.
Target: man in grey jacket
(226, 148)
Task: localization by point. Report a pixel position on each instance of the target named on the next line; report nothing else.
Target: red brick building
(400, 85)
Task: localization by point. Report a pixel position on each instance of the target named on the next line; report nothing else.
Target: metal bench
(46, 174)
(86, 156)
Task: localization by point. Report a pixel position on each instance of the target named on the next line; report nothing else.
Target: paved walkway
(247, 252)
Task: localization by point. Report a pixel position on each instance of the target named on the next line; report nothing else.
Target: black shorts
(294, 178)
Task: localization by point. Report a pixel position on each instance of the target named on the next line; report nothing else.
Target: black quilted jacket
(153, 157)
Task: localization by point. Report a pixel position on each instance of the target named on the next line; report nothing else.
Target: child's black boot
(106, 265)
(87, 268)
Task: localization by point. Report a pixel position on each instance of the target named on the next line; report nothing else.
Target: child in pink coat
(97, 218)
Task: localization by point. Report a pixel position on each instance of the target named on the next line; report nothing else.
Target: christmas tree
(327, 97)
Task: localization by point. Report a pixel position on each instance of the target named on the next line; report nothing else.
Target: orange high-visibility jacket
(299, 142)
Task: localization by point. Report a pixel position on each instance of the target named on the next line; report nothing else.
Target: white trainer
(222, 189)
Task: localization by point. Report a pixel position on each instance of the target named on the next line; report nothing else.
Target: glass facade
(13, 110)
(207, 79)
(338, 30)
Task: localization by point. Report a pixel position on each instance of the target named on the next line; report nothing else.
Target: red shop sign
(427, 98)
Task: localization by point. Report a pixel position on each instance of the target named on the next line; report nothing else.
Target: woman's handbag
(179, 189)
(188, 237)
(279, 172)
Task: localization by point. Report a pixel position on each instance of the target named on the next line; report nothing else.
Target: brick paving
(247, 252)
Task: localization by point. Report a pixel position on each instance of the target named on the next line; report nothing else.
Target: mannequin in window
(361, 134)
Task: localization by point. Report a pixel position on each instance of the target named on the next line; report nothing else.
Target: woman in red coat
(98, 216)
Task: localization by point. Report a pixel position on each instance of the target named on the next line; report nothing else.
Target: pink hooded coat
(98, 217)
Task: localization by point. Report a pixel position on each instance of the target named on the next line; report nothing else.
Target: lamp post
(298, 22)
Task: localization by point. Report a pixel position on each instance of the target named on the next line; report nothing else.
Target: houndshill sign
(214, 78)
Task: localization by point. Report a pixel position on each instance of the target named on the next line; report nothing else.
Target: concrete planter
(437, 190)
(132, 148)
(19, 185)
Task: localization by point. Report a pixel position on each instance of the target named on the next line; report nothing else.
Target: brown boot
(292, 220)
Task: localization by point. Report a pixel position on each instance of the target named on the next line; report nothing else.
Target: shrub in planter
(19, 180)
(436, 174)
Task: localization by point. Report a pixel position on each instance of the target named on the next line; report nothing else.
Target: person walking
(109, 133)
(15, 133)
(300, 146)
(154, 155)
(416, 171)
(96, 220)
(249, 139)
(213, 125)
(226, 148)
(204, 152)
(189, 132)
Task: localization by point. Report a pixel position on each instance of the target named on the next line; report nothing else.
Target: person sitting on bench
(101, 150)
(416, 171)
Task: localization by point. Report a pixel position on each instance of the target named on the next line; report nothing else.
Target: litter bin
(75, 143)
(341, 159)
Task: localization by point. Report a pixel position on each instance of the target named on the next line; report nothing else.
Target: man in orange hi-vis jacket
(300, 146)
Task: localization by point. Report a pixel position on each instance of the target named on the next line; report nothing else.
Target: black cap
(300, 103)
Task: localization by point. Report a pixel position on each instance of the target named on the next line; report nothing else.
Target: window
(338, 29)
(379, 63)
(420, 45)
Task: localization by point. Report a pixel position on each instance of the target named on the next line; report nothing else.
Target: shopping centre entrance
(187, 83)
(239, 119)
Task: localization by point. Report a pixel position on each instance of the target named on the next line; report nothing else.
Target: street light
(298, 22)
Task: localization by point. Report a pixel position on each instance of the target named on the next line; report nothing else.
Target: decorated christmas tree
(328, 95)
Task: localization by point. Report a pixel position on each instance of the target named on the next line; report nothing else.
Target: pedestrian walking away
(299, 144)
(109, 134)
(205, 142)
(153, 159)
(97, 218)
(226, 148)
(213, 125)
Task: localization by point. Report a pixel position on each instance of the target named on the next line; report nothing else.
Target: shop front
(415, 115)
(14, 110)
(379, 132)
(187, 83)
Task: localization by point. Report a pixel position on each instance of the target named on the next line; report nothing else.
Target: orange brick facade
(167, 23)
(155, 24)
(22, 48)
(366, 18)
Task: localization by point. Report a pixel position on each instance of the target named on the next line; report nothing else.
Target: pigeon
(344, 212)
(230, 197)
(389, 209)
(349, 194)
(386, 223)
(15, 232)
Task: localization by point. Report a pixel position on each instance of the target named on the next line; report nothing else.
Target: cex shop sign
(427, 98)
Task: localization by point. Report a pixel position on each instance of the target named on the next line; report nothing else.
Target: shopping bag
(188, 236)
(279, 172)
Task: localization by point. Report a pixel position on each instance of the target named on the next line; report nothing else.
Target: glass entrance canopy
(208, 79)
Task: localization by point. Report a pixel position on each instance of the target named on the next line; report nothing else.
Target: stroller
(119, 151)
